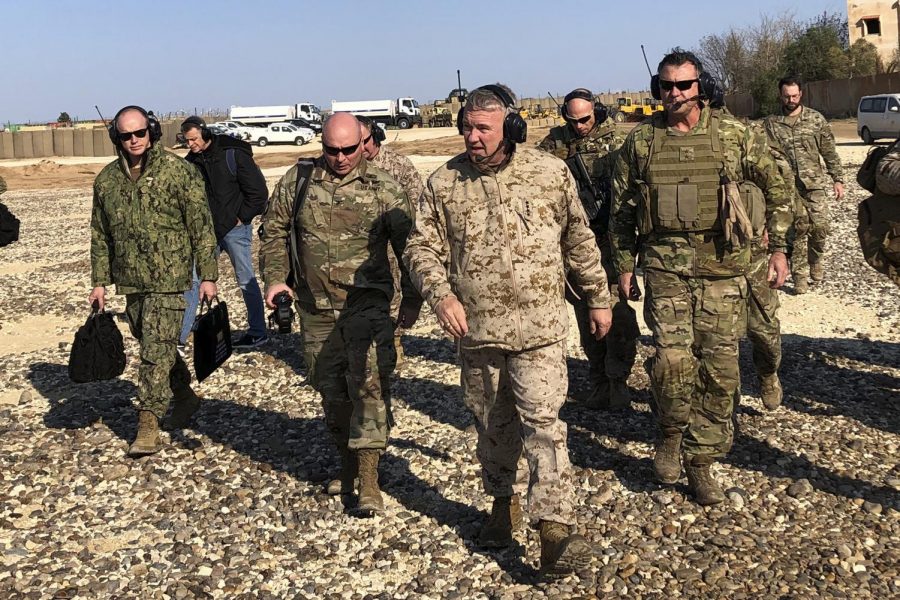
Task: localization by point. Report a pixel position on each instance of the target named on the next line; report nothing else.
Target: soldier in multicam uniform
(403, 171)
(495, 230)
(150, 222)
(806, 138)
(678, 183)
(351, 212)
(879, 218)
(590, 134)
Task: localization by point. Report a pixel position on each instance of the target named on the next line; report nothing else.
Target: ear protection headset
(153, 127)
(710, 90)
(600, 111)
(515, 129)
(375, 131)
(195, 122)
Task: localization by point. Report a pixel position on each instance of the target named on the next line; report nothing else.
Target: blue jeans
(236, 244)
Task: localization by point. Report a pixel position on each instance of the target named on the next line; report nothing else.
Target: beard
(791, 106)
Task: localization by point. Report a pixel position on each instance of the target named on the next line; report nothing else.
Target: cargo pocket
(688, 203)
(666, 204)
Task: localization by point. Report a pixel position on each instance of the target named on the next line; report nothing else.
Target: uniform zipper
(512, 269)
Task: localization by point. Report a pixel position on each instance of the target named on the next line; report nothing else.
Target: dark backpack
(9, 226)
(865, 177)
(98, 352)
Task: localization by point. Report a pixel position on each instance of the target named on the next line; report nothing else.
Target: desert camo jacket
(501, 243)
(745, 156)
(146, 234)
(345, 226)
(804, 142)
(402, 170)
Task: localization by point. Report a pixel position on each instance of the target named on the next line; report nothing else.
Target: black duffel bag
(9, 226)
(212, 339)
(98, 352)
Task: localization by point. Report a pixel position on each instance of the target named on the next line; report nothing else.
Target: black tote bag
(98, 352)
(212, 339)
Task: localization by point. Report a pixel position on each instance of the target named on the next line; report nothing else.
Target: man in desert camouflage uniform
(678, 183)
(150, 222)
(405, 173)
(351, 212)
(806, 138)
(495, 230)
(879, 218)
(591, 136)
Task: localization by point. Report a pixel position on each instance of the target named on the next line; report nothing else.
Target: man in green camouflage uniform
(592, 136)
(495, 230)
(806, 138)
(405, 173)
(678, 182)
(351, 213)
(879, 218)
(150, 222)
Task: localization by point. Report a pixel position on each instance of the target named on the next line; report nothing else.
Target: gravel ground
(234, 506)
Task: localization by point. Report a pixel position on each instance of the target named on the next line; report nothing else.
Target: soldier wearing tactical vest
(591, 136)
(679, 183)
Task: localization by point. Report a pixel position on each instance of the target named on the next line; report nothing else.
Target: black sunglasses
(367, 140)
(124, 136)
(582, 121)
(346, 150)
(681, 85)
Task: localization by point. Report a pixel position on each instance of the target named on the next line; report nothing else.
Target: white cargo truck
(397, 112)
(266, 115)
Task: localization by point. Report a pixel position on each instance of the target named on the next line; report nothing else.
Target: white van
(878, 117)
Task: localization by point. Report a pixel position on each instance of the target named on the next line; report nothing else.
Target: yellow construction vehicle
(628, 109)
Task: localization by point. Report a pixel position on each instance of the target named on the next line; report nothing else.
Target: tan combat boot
(770, 390)
(347, 479)
(703, 485)
(817, 272)
(398, 348)
(184, 405)
(561, 552)
(370, 500)
(506, 517)
(667, 461)
(801, 285)
(147, 440)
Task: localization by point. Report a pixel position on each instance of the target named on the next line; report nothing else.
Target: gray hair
(484, 99)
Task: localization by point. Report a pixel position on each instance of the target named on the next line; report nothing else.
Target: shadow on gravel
(440, 401)
(437, 349)
(825, 370)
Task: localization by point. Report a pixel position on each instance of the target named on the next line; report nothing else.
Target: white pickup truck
(280, 132)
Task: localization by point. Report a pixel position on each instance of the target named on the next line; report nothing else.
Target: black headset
(195, 122)
(515, 129)
(153, 126)
(374, 129)
(710, 90)
(600, 110)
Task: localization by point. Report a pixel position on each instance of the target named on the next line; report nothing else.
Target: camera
(283, 315)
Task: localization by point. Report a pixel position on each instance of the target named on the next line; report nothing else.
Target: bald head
(341, 141)
(581, 115)
(133, 122)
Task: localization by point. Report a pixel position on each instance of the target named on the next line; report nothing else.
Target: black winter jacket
(238, 194)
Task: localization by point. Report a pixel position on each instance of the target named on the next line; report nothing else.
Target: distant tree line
(752, 59)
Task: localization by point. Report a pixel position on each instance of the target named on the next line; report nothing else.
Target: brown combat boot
(817, 272)
(770, 390)
(561, 552)
(667, 461)
(506, 517)
(703, 485)
(147, 440)
(184, 405)
(370, 500)
(349, 471)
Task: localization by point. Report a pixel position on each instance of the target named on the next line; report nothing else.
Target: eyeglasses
(124, 136)
(367, 140)
(346, 150)
(681, 85)
(582, 121)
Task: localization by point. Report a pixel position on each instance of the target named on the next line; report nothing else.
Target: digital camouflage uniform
(613, 356)
(145, 235)
(501, 242)
(344, 294)
(807, 141)
(879, 219)
(696, 286)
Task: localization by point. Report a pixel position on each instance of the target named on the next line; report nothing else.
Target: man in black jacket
(237, 192)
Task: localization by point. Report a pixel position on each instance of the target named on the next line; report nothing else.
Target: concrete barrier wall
(64, 142)
(42, 143)
(840, 97)
(83, 142)
(23, 145)
(102, 144)
(6, 145)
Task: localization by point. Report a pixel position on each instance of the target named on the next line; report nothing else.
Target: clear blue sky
(60, 55)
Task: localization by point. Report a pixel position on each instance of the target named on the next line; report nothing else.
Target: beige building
(878, 22)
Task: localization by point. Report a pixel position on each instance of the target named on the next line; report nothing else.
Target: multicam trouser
(516, 397)
(696, 323)
(810, 231)
(155, 320)
(762, 324)
(350, 357)
(613, 356)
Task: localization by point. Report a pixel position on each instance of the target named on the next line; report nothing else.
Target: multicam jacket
(402, 170)
(501, 243)
(804, 142)
(344, 226)
(744, 156)
(146, 234)
(597, 148)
